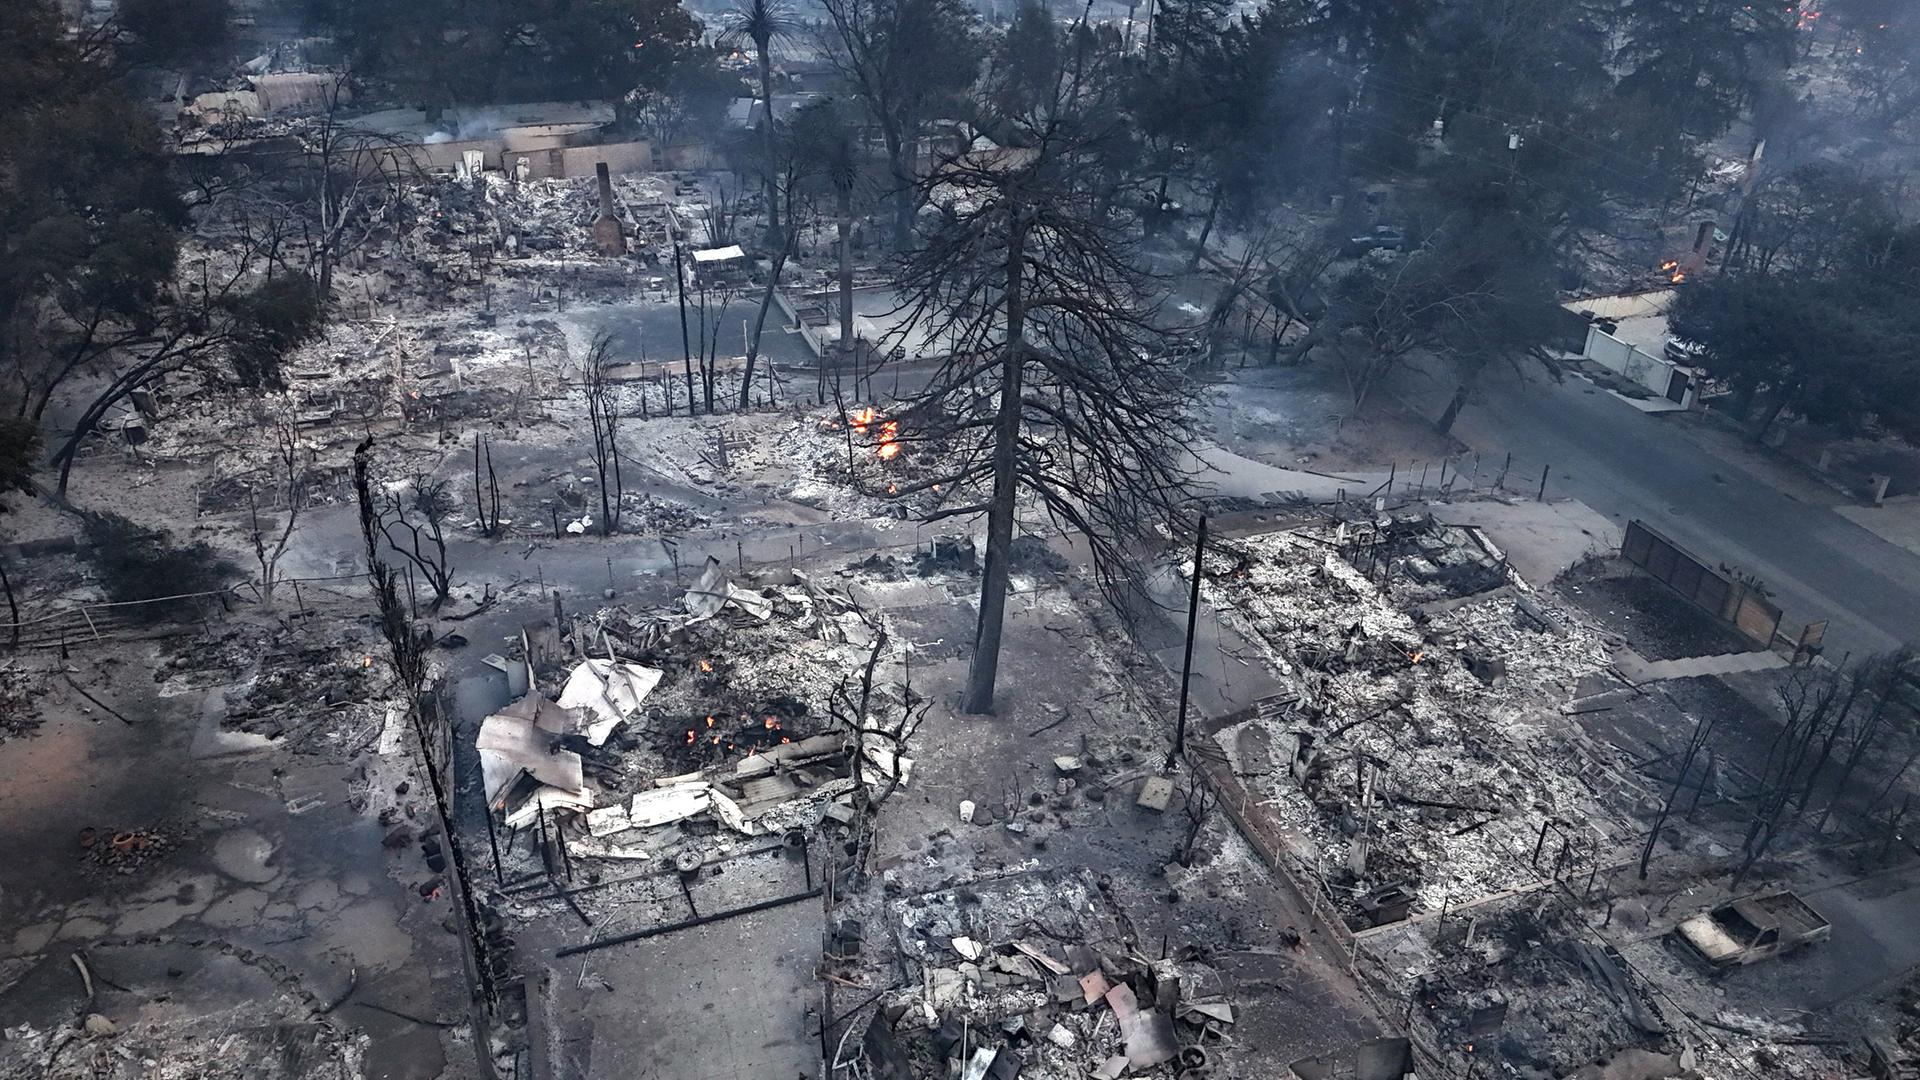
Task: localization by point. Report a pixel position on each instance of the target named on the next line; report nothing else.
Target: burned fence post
(1543, 484)
(493, 844)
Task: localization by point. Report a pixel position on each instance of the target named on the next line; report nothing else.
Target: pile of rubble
(18, 688)
(1417, 748)
(1026, 976)
(122, 852)
(804, 456)
(724, 710)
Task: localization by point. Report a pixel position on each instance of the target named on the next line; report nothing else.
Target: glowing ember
(773, 723)
(888, 451)
(893, 489)
(709, 721)
(690, 738)
(706, 665)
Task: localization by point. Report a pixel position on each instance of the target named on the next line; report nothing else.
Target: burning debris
(729, 719)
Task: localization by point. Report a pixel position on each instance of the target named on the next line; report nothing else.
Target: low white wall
(1629, 362)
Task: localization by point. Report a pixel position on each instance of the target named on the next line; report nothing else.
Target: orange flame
(706, 665)
(888, 451)
(773, 723)
(690, 739)
(709, 721)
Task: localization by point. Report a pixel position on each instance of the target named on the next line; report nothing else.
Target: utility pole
(686, 343)
(1186, 667)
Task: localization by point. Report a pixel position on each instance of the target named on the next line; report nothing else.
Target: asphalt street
(1628, 464)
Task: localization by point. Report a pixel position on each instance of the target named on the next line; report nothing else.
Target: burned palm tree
(761, 22)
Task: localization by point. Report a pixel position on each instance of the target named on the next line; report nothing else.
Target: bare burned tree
(603, 412)
(1198, 803)
(904, 58)
(354, 172)
(712, 320)
(486, 504)
(290, 482)
(1825, 710)
(1702, 730)
(431, 729)
(1055, 385)
(852, 705)
(408, 653)
(413, 519)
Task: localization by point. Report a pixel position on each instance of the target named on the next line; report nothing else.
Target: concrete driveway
(1627, 464)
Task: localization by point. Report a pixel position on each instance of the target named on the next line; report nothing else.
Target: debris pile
(122, 851)
(18, 688)
(1417, 749)
(1028, 976)
(721, 711)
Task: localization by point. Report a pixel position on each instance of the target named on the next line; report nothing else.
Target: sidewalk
(1639, 669)
(1897, 522)
(1224, 473)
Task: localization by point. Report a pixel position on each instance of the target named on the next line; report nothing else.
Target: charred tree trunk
(760, 325)
(845, 228)
(901, 165)
(1779, 405)
(1206, 231)
(1454, 405)
(994, 578)
(768, 145)
(13, 609)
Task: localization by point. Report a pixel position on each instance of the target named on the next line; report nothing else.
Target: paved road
(1627, 464)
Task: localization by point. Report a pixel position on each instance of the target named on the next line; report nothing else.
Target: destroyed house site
(634, 621)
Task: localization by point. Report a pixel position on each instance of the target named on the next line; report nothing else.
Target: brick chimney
(608, 234)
